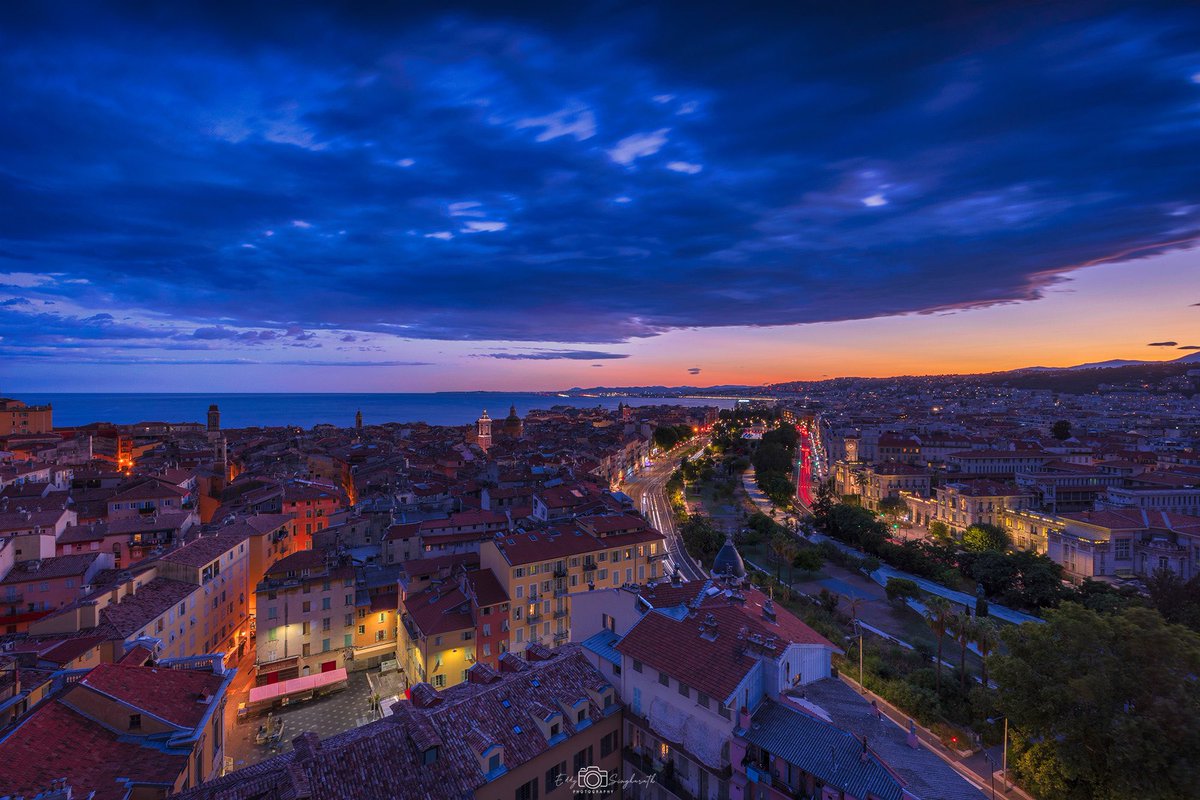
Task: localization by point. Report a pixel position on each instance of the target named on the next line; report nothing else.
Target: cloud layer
(274, 180)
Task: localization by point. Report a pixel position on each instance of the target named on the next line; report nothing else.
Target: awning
(307, 683)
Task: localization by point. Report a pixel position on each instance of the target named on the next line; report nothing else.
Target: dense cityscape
(640, 401)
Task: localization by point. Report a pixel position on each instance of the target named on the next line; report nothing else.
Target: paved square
(325, 716)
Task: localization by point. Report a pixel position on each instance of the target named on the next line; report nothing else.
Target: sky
(293, 197)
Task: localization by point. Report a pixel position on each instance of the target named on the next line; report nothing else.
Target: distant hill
(1190, 358)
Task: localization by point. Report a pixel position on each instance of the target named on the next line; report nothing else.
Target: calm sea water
(306, 410)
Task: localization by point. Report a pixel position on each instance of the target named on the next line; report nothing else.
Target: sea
(307, 410)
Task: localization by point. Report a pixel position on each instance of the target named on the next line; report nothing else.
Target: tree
(666, 437)
(938, 615)
(987, 639)
(784, 550)
(893, 507)
(900, 589)
(856, 602)
(701, 537)
(808, 559)
(1061, 430)
(939, 530)
(983, 536)
(1102, 705)
(1176, 599)
(962, 628)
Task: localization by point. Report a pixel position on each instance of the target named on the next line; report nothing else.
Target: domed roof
(728, 561)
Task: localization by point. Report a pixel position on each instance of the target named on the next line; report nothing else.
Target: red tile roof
(172, 695)
(57, 567)
(714, 665)
(55, 742)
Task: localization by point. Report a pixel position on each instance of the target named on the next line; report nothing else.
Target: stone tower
(483, 431)
(214, 418)
(358, 420)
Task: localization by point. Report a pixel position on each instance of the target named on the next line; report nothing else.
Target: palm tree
(938, 614)
(962, 626)
(790, 551)
(779, 545)
(987, 639)
(855, 604)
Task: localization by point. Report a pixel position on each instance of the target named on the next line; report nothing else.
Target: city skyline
(478, 198)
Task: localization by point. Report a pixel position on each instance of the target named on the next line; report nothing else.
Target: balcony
(534, 616)
(560, 589)
(561, 636)
(659, 556)
(560, 570)
(664, 783)
(559, 613)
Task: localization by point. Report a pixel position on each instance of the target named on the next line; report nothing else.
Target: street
(649, 492)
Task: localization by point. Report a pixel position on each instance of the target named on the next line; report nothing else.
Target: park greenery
(667, 436)
(1102, 706)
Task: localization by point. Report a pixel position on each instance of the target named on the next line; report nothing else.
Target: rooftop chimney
(306, 745)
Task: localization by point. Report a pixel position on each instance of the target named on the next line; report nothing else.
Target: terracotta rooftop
(716, 664)
(139, 609)
(57, 567)
(55, 742)
(172, 695)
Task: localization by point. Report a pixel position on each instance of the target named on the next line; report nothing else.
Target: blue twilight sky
(444, 196)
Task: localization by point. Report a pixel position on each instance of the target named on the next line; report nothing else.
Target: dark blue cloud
(555, 355)
(561, 174)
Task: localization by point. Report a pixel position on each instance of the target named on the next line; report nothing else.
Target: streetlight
(858, 627)
(1004, 757)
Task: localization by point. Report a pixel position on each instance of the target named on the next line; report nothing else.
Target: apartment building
(453, 624)
(307, 616)
(540, 569)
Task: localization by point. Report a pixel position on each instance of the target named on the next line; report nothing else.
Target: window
(430, 755)
(348, 639)
(306, 606)
(349, 599)
(702, 699)
(325, 603)
(362, 630)
(304, 629)
(487, 649)
(527, 791)
(325, 624)
(1122, 549)
(494, 762)
(487, 629)
(325, 645)
(637, 665)
(683, 689)
(556, 776)
(583, 758)
(305, 650)
(349, 620)
(663, 679)
(608, 744)
(135, 722)
(468, 635)
(439, 681)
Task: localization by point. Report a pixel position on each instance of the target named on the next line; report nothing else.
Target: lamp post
(1004, 756)
(858, 628)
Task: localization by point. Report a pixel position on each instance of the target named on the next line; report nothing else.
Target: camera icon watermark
(593, 779)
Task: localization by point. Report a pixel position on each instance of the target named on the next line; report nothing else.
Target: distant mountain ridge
(1190, 358)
